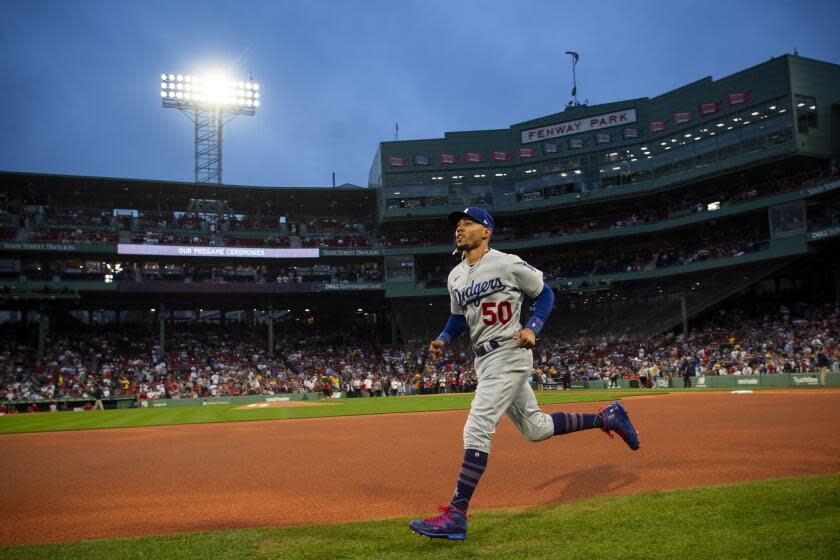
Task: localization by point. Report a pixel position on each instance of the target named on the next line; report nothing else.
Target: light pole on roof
(209, 102)
(575, 57)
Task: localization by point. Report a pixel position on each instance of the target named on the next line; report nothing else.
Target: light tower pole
(209, 103)
(575, 57)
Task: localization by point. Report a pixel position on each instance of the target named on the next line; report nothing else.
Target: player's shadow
(571, 486)
(586, 483)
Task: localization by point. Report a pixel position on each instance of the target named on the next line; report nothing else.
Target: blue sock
(471, 470)
(568, 422)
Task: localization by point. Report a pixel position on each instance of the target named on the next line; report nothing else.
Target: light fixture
(215, 90)
(203, 98)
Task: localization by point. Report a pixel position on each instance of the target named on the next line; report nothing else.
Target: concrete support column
(394, 318)
(271, 330)
(43, 327)
(836, 284)
(162, 325)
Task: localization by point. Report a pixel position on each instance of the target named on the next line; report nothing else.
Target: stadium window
(806, 113)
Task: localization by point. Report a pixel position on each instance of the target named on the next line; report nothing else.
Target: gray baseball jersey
(490, 293)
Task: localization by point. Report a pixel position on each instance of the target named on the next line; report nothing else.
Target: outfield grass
(792, 518)
(129, 418)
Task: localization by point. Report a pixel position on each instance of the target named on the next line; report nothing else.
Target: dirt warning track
(59, 487)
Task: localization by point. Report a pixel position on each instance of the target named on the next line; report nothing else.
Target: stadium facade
(642, 212)
(784, 107)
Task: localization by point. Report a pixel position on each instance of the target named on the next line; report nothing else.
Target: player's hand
(436, 349)
(526, 338)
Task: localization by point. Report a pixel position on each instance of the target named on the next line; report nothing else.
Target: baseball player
(486, 293)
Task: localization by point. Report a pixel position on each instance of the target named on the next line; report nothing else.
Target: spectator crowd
(202, 361)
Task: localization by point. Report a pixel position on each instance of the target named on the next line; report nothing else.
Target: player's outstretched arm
(456, 325)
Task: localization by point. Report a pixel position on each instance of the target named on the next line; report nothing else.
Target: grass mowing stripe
(126, 418)
(783, 518)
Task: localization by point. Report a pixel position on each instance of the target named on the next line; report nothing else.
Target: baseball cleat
(450, 524)
(614, 419)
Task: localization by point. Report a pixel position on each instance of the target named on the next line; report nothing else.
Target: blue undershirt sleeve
(542, 308)
(456, 325)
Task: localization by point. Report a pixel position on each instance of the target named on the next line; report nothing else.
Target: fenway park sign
(587, 124)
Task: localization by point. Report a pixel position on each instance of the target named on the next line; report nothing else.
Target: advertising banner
(225, 252)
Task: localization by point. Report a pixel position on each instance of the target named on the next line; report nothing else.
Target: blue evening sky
(80, 79)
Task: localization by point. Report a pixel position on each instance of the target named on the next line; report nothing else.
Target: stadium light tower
(210, 103)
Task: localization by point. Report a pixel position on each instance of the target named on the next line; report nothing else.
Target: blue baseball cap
(473, 213)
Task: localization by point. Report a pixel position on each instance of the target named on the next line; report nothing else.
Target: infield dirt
(68, 486)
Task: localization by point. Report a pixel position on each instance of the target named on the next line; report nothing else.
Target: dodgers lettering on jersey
(473, 293)
(490, 294)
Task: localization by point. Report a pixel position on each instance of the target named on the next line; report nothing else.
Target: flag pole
(575, 56)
